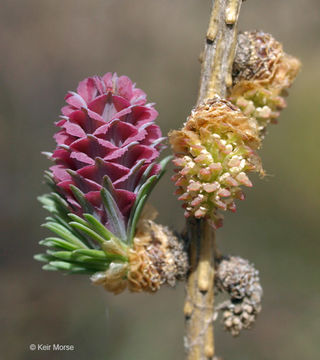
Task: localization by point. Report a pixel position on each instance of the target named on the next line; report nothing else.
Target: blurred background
(46, 48)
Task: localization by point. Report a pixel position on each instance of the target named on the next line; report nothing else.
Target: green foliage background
(47, 47)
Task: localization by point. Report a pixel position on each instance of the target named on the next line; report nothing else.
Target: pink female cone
(108, 138)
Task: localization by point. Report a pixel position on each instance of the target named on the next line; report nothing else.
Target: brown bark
(217, 60)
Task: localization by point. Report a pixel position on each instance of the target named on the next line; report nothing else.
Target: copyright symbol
(32, 347)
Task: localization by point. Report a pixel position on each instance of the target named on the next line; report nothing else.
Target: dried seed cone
(240, 280)
(157, 257)
(214, 151)
(256, 57)
(262, 72)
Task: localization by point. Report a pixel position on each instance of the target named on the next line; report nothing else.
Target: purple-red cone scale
(106, 129)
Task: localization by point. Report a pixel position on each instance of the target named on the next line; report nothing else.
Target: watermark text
(51, 347)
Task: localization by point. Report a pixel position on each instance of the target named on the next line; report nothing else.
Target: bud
(157, 257)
